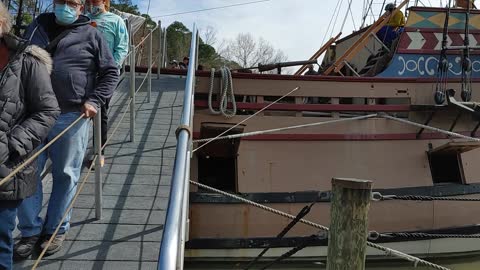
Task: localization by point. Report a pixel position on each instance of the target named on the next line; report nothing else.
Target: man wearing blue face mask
(84, 75)
(115, 32)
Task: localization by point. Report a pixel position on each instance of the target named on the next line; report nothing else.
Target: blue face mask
(95, 10)
(65, 14)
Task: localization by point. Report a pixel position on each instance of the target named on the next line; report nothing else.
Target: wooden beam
(456, 147)
(318, 53)
(360, 43)
(312, 107)
(347, 238)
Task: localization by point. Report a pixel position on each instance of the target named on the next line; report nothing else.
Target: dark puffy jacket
(83, 66)
(28, 109)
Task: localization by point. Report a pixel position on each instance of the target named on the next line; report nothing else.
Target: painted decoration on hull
(425, 66)
(435, 18)
(431, 42)
(420, 45)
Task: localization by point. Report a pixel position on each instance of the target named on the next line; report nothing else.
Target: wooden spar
(360, 43)
(347, 240)
(318, 53)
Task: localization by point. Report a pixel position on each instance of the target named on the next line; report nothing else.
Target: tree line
(243, 51)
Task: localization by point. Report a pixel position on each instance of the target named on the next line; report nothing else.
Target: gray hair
(5, 19)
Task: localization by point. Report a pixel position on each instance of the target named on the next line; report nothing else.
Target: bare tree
(248, 52)
(210, 36)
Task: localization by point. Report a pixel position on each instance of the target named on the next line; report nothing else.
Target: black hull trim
(310, 196)
(272, 242)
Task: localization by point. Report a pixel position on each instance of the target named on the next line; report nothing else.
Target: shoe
(24, 247)
(55, 246)
(102, 161)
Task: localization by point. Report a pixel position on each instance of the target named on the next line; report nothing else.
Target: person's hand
(89, 110)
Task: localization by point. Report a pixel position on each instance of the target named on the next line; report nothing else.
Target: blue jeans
(8, 214)
(66, 155)
(388, 34)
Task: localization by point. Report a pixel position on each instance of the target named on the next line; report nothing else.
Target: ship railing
(176, 222)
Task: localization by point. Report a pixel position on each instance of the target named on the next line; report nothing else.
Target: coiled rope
(226, 93)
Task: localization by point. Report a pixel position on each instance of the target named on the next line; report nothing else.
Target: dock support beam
(347, 241)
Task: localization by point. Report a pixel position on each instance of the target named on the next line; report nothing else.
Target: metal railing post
(159, 55)
(132, 91)
(149, 74)
(98, 167)
(164, 48)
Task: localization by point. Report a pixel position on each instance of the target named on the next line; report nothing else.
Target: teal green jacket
(115, 33)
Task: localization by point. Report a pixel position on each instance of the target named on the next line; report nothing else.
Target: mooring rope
(387, 251)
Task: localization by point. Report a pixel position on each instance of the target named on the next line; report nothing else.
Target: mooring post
(347, 238)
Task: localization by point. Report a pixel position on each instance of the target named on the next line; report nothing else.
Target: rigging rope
(226, 93)
(443, 64)
(380, 197)
(368, 8)
(466, 93)
(246, 119)
(260, 132)
(346, 15)
(429, 235)
(330, 23)
(439, 130)
(387, 251)
(336, 17)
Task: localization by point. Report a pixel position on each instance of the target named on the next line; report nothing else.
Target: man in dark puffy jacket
(84, 75)
(28, 111)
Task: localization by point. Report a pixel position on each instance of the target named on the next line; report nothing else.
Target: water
(458, 264)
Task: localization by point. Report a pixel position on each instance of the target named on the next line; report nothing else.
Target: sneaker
(102, 160)
(89, 163)
(55, 246)
(24, 247)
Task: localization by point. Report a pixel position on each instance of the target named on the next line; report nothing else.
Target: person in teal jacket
(115, 33)
(111, 26)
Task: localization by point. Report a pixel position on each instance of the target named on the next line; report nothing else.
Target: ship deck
(136, 186)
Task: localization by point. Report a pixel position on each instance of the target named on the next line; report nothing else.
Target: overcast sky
(297, 27)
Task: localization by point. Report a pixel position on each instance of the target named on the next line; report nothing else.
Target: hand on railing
(89, 110)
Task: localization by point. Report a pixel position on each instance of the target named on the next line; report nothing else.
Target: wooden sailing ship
(289, 169)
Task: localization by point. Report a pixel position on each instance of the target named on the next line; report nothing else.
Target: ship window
(217, 161)
(217, 172)
(446, 167)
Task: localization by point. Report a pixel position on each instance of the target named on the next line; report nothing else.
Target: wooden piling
(347, 241)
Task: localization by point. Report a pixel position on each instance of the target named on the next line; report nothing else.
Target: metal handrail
(174, 231)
